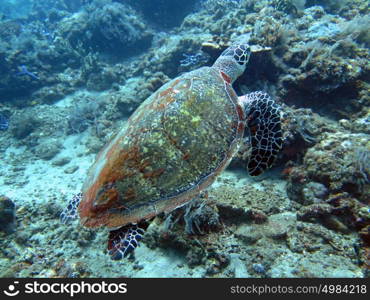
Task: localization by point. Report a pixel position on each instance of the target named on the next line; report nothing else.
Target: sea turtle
(174, 146)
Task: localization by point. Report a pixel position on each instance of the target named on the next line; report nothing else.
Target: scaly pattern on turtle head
(232, 61)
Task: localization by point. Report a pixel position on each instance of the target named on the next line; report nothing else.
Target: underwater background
(73, 71)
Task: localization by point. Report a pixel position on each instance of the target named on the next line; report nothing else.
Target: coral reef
(114, 27)
(342, 168)
(73, 71)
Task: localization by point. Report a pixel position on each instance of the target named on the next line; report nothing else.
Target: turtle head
(233, 60)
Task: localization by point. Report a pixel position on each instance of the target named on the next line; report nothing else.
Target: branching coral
(83, 115)
(358, 30)
(198, 215)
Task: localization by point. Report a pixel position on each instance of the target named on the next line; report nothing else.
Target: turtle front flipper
(124, 240)
(70, 213)
(264, 124)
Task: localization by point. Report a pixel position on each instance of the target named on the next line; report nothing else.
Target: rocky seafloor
(74, 71)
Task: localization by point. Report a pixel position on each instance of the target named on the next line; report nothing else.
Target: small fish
(4, 123)
(24, 71)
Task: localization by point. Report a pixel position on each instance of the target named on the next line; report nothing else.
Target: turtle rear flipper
(264, 123)
(124, 240)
